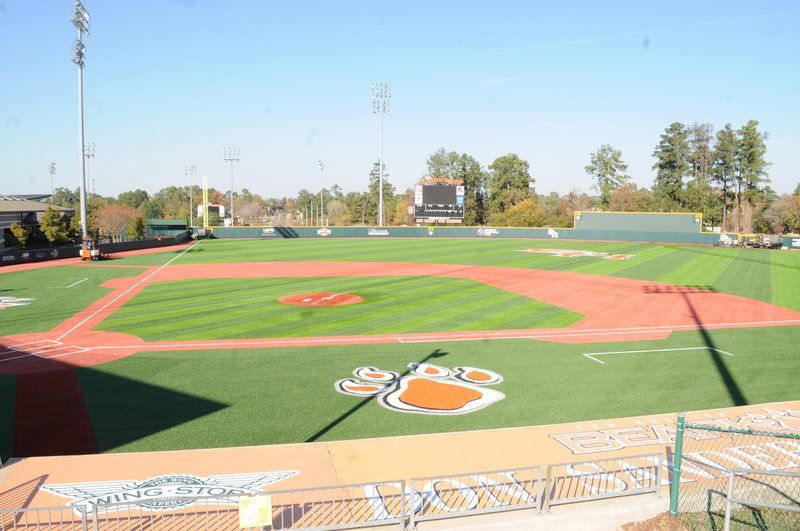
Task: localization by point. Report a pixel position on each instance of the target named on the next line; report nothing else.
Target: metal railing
(319, 508)
(769, 499)
(437, 497)
(598, 479)
(61, 518)
(358, 505)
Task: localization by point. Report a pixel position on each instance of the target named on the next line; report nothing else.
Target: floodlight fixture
(190, 171)
(231, 154)
(381, 94)
(80, 19)
(320, 169)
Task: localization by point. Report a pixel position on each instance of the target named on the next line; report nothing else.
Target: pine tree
(672, 164)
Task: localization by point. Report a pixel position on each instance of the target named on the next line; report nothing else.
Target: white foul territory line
(115, 299)
(591, 355)
(71, 285)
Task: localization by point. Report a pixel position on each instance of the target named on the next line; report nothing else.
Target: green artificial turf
(248, 308)
(53, 300)
(171, 400)
(168, 400)
(770, 276)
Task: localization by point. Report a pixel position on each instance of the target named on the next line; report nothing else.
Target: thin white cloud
(496, 81)
(640, 33)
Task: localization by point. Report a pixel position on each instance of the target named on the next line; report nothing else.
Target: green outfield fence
(708, 238)
(729, 478)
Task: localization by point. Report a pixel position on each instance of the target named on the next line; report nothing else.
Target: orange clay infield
(321, 299)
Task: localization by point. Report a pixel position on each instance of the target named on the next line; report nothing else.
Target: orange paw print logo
(427, 389)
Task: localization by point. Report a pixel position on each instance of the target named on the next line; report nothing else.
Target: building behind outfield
(24, 210)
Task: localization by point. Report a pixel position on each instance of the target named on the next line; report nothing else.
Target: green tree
(137, 227)
(526, 213)
(723, 170)
(66, 198)
(672, 165)
(797, 190)
(701, 151)
(388, 195)
(510, 182)
(464, 168)
(608, 170)
(751, 166)
(54, 226)
(19, 234)
(134, 199)
(152, 209)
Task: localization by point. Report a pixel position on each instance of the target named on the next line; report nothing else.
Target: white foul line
(591, 355)
(78, 282)
(112, 301)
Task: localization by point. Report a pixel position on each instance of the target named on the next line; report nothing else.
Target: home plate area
(46, 349)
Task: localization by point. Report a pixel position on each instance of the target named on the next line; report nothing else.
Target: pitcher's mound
(321, 299)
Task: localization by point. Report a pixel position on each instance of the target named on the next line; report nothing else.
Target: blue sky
(169, 83)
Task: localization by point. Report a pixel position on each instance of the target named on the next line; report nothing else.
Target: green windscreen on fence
(639, 221)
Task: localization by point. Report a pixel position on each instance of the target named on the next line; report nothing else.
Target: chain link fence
(742, 473)
(761, 499)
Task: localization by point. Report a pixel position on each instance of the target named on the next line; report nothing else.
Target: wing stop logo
(163, 493)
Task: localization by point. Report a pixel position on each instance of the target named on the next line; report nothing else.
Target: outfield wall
(708, 238)
(73, 251)
(791, 242)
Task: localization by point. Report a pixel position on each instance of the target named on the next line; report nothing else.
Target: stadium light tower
(52, 169)
(320, 169)
(190, 171)
(80, 19)
(89, 153)
(381, 93)
(231, 154)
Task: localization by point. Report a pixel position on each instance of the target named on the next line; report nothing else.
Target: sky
(169, 83)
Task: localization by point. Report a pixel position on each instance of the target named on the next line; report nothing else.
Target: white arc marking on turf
(591, 355)
(112, 301)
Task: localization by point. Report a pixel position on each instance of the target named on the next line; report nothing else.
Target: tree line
(722, 174)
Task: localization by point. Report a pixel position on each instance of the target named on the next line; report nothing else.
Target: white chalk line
(115, 299)
(43, 351)
(71, 285)
(591, 355)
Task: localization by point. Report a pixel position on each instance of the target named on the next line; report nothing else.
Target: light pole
(52, 169)
(320, 169)
(189, 172)
(80, 19)
(231, 154)
(89, 151)
(381, 93)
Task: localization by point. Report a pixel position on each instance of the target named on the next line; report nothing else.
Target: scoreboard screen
(438, 201)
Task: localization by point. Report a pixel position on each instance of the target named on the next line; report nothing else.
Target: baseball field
(246, 342)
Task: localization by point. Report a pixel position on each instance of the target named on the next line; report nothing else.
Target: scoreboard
(438, 202)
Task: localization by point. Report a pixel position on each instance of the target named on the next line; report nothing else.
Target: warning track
(615, 309)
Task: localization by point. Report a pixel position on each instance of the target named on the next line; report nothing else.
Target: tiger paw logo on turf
(427, 389)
